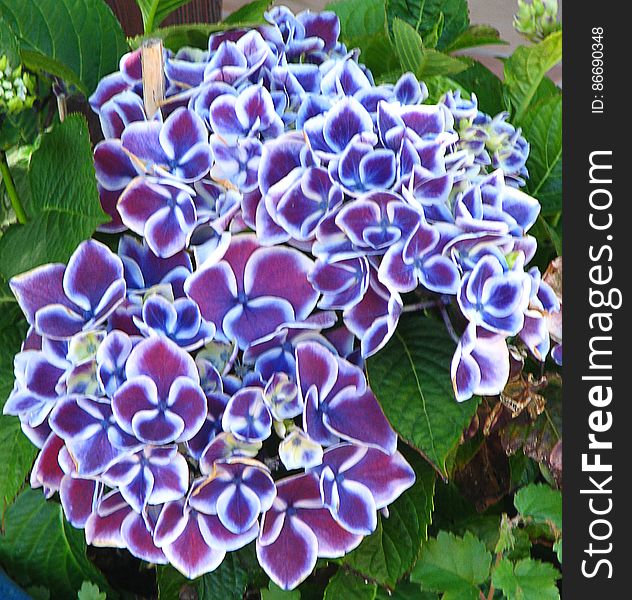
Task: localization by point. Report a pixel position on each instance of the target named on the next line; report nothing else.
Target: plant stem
(20, 214)
(448, 325)
(420, 306)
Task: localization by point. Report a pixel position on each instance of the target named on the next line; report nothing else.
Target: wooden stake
(153, 77)
(62, 107)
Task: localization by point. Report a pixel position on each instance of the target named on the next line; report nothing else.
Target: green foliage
(249, 13)
(526, 580)
(170, 582)
(274, 592)
(16, 451)
(350, 587)
(540, 502)
(542, 126)
(452, 565)
(476, 35)
(90, 591)
(64, 209)
(411, 378)
(526, 68)
(388, 554)
(227, 582)
(154, 12)
(40, 547)
(423, 16)
(78, 41)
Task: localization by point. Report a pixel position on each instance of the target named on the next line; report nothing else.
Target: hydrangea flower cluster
(202, 387)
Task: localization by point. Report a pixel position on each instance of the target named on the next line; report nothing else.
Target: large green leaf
(526, 68)
(452, 565)
(540, 502)
(227, 582)
(40, 548)
(485, 84)
(64, 208)
(251, 12)
(411, 378)
(16, 451)
(406, 591)
(542, 126)
(423, 16)
(170, 583)
(391, 551)
(79, 41)
(526, 580)
(274, 592)
(350, 587)
(476, 35)
(154, 12)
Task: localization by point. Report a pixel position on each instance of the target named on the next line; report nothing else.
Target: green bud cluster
(17, 88)
(536, 19)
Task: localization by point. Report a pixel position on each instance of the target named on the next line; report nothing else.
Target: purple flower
(161, 401)
(338, 402)
(162, 212)
(480, 364)
(152, 476)
(253, 290)
(36, 388)
(373, 320)
(180, 321)
(60, 301)
(92, 436)
(144, 269)
(176, 148)
(330, 134)
(252, 113)
(297, 530)
(342, 283)
(494, 296)
(247, 417)
(111, 358)
(418, 260)
(237, 492)
(355, 482)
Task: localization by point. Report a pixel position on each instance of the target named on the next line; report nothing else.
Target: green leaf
(408, 46)
(542, 127)
(405, 591)
(65, 207)
(528, 579)
(89, 591)
(557, 548)
(274, 592)
(485, 84)
(154, 12)
(40, 548)
(438, 86)
(424, 62)
(411, 378)
(359, 18)
(251, 12)
(171, 582)
(476, 35)
(79, 41)
(540, 502)
(452, 565)
(526, 68)
(9, 46)
(193, 35)
(350, 587)
(16, 451)
(228, 582)
(391, 551)
(423, 15)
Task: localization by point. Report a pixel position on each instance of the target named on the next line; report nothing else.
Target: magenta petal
(333, 539)
(292, 556)
(78, 499)
(190, 553)
(46, 469)
(38, 288)
(138, 394)
(170, 524)
(356, 511)
(157, 427)
(238, 508)
(103, 527)
(139, 541)
(360, 418)
(217, 536)
(187, 400)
